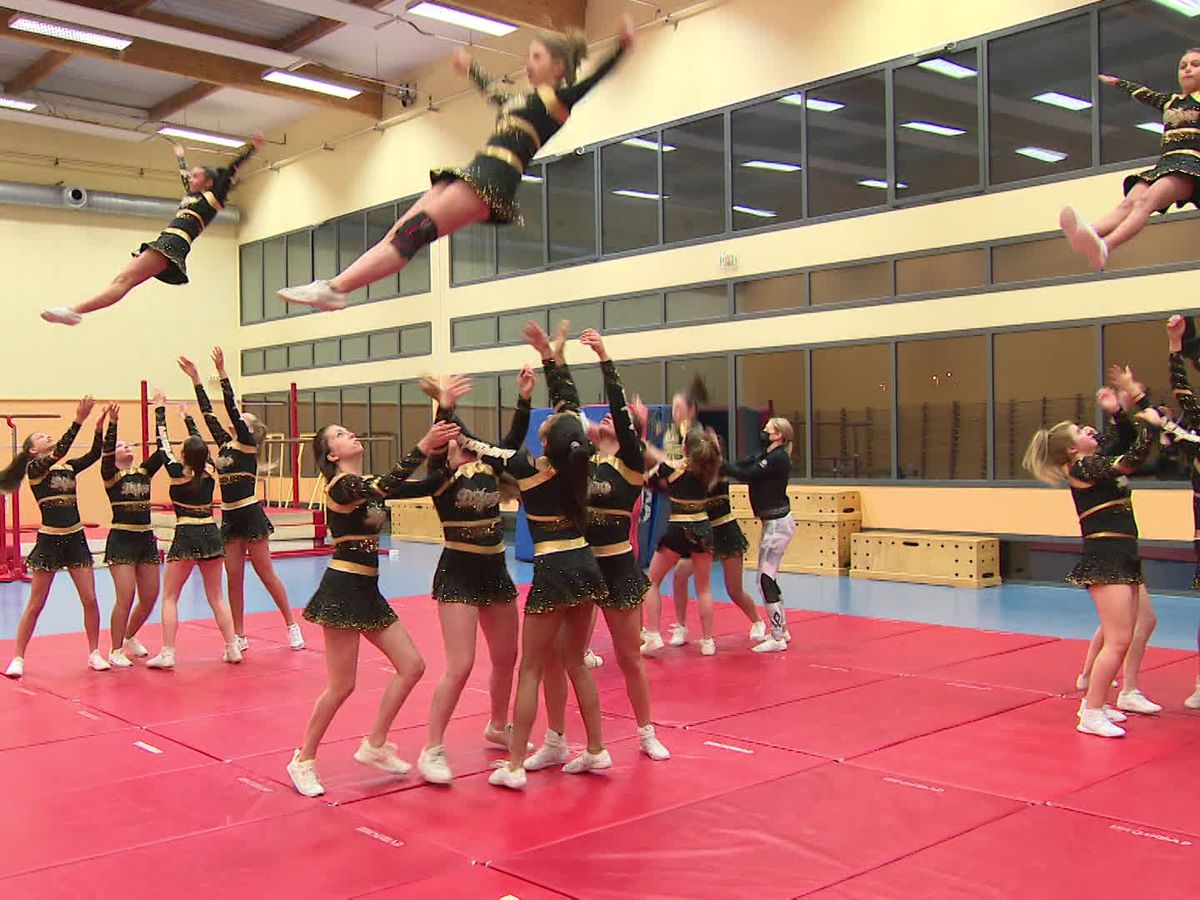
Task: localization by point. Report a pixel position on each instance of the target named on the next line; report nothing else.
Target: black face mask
(765, 437)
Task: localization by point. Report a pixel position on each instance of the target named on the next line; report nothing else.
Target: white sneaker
(1094, 721)
(243, 642)
(383, 758)
(708, 647)
(758, 630)
(317, 294)
(295, 638)
(61, 315)
(506, 777)
(678, 635)
(304, 776)
(134, 648)
(118, 659)
(1115, 715)
(1193, 702)
(164, 660)
(771, 645)
(232, 654)
(1070, 222)
(433, 766)
(1135, 702)
(652, 643)
(587, 762)
(787, 636)
(97, 663)
(16, 668)
(592, 660)
(553, 752)
(651, 745)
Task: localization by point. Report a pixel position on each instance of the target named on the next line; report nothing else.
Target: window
(379, 221)
(852, 411)
(867, 281)
(955, 271)
(275, 415)
(472, 253)
(590, 384)
(847, 144)
(326, 353)
(479, 409)
(770, 385)
(300, 356)
(698, 303)
(416, 414)
(633, 312)
(356, 416)
(1136, 40)
(630, 195)
(328, 407)
(522, 247)
(1040, 87)
(937, 124)
(768, 180)
(571, 182)
(943, 408)
(250, 275)
(414, 278)
(763, 294)
(1034, 260)
(252, 362)
(713, 372)
(274, 277)
(1143, 347)
(1170, 242)
(642, 380)
(324, 247)
(355, 348)
(275, 359)
(508, 399)
(474, 332)
(1041, 377)
(351, 244)
(580, 315)
(512, 325)
(417, 340)
(385, 425)
(384, 344)
(694, 179)
(299, 265)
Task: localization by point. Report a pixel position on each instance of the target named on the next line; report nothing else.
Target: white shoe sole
(325, 304)
(60, 319)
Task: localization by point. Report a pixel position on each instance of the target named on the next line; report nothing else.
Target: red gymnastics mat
(173, 783)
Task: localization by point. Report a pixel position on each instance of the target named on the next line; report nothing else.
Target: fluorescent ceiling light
(933, 128)
(637, 195)
(758, 213)
(452, 16)
(1156, 127)
(882, 185)
(1042, 155)
(770, 166)
(643, 144)
(947, 68)
(813, 103)
(68, 33)
(291, 79)
(14, 103)
(188, 135)
(1063, 101)
(1189, 8)
(532, 179)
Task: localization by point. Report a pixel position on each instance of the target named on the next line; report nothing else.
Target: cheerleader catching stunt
(165, 258)
(1174, 179)
(484, 191)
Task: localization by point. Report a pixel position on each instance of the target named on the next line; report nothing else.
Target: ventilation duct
(56, 196)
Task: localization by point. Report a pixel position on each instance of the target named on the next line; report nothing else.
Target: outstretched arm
(491, 88)
(244, 435)
(89, 459)
(39, 466)
(1180, 386)
(1096, 469)
(628, 439)
(185, 174)
(1139, 92)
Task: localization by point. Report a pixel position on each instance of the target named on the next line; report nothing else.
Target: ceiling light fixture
(637, 195)
(770, 166)
(1063, 101)
(66, 32)
(451, 16)
(643, 144)
(304, 83)
(187, 134)
(882, 185)
(933, 128)
(1156, 127)
(532, 179)
(1189, 8)
(757, 213)
(14, 103)
(1041, 154)
(947, 68)
(819, 105)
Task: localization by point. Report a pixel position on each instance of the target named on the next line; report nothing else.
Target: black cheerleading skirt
(565, 579)
(728, 541)
(346, 600)
(1171, 164)
(52, 552)
(1107, 561)
(196, 542)
(131, 548)
(494, 180)
(686, 538)
(175, 249)
(627, 583)
(476, 579)
(249, 524)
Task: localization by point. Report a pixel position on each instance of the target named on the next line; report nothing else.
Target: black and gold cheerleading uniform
(131, 540)
(61, 542)
(524, 122)
(1190, 420)
(1179, 151)
(348, 595)
(688, 530)
(615, 488)
(196, 535)
(1105, 510)
(242, 515)
(196, 212)
(729, 541)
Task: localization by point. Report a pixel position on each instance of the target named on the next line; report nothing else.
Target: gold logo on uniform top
(598, 488)
(135, 489)
(477, 499)
(1174, 118)
(62, 482)
(223, 462)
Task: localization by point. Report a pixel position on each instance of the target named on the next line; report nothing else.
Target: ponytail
(320, 449)
(571, 49)
(195, 457)
(570, 453)
(1048, 451)
(14, 473)
(703, 457)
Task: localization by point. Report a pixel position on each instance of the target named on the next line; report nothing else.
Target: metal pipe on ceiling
(60, 197)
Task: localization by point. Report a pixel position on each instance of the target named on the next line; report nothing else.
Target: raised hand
(84, 408)
(591, 338)
(1175, 329)
(180, 153)
(1151, 416)
(1108, 400)
(558, 343)
(103, 415)
(536, 338)
(462, 61)
(526, 379)
(1121, 377)
(184, 410)
(189, 369)
(258, 140)
(1108, 79)
(437, 437)
(454, 389)
(627, 35)
(114, 411)
(158, 398)
(218, 358)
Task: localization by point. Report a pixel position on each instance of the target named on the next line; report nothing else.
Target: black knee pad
(769, 587)
(414, 234)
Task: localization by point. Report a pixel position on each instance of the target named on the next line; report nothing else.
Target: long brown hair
(703, 457)
(570, 453)
(14, 473)
(570, 49)
(320, 449)
(195, 456)
(1049, 450)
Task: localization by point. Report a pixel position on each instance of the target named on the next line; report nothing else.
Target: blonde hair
(570, 49)
(1049, 450)
(784, 427)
